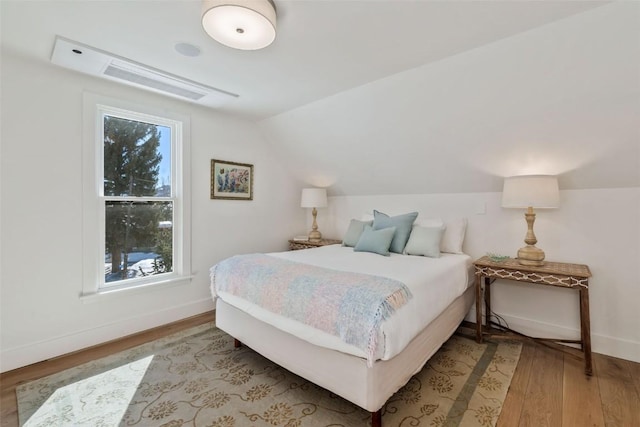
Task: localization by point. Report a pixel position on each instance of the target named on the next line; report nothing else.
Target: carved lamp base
(530, 255)
(315, 236)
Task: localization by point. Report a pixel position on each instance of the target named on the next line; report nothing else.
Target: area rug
(197, 378)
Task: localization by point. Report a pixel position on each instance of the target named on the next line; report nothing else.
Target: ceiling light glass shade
(240, 24)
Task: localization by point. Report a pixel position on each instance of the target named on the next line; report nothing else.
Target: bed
(441, 296)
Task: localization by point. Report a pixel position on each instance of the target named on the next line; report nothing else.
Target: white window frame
(95, 107)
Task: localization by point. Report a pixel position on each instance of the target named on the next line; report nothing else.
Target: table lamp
(530, 191)
(314, 198)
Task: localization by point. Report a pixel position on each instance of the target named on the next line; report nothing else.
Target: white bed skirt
(345, 375)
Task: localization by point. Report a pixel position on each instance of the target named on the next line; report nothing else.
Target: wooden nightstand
(294, 245)
(571, 276)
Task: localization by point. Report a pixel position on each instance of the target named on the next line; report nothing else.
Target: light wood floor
(548, 388)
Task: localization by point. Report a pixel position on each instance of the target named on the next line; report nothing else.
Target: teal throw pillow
(376, 241)
(424, 241)
(402, 223)
(354, 232)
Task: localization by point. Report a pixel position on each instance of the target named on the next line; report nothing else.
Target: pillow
(425, 241)
(430, 222)
(376, 241)
(354, 231)
(402, 223)
(453, 236)
(454, 232)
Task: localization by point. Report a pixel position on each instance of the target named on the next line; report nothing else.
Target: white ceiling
(322, 47)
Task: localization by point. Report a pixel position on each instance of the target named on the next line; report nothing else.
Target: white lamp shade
(240, 24)
(314, 198)
(537, 191)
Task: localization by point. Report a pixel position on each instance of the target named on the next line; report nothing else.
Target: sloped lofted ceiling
(389, 96)
(560, 99)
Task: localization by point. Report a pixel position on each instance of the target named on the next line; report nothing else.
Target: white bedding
(434, 283)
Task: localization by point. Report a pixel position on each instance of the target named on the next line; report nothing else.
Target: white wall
(600, 228)
(561, 99)
(41, 313)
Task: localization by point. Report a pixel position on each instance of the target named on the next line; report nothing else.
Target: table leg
(585, 330)
(487, 302)
(478, 286)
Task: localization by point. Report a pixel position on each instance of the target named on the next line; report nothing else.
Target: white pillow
(429, 222)
(454, 232)
(453, 237)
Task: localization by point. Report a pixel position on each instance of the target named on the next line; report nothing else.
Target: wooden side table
(571, 276)
(295, 245)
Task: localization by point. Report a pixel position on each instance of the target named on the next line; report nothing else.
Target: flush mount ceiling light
(240, 24)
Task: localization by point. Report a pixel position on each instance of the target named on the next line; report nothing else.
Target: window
(136, 195)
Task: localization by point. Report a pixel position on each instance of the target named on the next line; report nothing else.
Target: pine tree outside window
(136, 201)
(137, 222)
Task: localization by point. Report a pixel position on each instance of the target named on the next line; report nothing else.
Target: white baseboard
(18, 357)
(603, 344)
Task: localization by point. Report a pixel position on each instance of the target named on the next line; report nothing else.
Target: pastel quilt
(348, 305)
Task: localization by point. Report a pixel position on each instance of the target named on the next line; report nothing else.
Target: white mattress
(434, 282)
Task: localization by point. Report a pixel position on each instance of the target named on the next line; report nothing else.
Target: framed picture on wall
(231, 180)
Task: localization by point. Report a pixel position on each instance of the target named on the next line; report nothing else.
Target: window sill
(106, 294)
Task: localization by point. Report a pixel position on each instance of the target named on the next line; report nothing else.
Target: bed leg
(376, 418)
(237, 343)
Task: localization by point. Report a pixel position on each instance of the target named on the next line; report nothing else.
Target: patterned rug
(197, 378)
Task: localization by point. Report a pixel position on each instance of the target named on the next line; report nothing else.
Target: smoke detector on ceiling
(89, 60)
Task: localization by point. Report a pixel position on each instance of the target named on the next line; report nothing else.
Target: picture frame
(231, 180)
